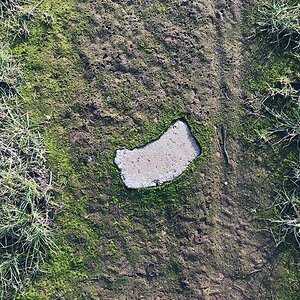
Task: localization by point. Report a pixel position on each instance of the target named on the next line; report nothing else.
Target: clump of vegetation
(282, 103)
(17, 14)
(26, 206)
(8, 7)
(288, 204)
(288, 223)
(279, 22)
(26, 191)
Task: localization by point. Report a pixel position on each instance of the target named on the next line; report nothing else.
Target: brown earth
(147, 62)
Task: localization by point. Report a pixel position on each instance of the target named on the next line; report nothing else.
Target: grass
(26, 207)
(9, 7)
(26, 190)
(288, 223)
(276, 86)
(17, 15)
(10, 73)
(282, 104)
(279, 22)
(281, 107)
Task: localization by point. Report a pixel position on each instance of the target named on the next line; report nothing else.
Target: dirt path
(148, 62)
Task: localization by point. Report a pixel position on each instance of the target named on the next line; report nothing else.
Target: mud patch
(159, 161)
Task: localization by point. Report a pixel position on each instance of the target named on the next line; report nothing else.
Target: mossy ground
(53, 74)
(106, 234)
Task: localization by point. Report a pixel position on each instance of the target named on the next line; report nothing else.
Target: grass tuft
(9, 7)
(282, 104)
(288, 222)
(26, 206)
(10, 73)
(279, 22)
(17, 14)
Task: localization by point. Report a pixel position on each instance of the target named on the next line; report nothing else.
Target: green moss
(58, 156)
(160, 7)
(167, 196)
(287, 287)
(261, 76)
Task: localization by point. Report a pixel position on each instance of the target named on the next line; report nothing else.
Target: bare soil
(145, 59)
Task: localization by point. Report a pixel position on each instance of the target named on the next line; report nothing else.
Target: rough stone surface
(159, 161)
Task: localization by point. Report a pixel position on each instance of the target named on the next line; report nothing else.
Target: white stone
(159, 161)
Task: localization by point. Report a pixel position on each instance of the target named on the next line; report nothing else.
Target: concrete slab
(159, 161)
